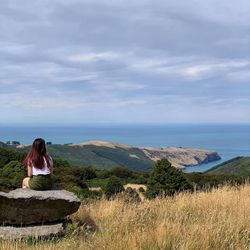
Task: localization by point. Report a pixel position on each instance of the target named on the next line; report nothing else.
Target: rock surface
(10, 232)
(26, 206)
(182, 157)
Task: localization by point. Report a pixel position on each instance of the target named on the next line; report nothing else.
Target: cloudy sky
(79, 61)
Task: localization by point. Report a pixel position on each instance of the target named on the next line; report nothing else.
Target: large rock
(36, 231)
(26, 206)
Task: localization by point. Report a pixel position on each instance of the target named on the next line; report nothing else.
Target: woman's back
(45, 170)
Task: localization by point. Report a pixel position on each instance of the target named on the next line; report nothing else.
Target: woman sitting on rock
(40, 167)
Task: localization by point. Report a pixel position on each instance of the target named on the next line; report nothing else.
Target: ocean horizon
(229, 140)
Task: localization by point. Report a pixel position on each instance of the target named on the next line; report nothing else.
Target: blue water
(228, 140)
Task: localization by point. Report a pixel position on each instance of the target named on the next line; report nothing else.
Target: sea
(229, 140)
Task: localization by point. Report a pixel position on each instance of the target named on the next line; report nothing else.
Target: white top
(45, 170)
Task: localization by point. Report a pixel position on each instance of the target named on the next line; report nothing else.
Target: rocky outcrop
(179, 157)
(26, 206)
(182, 157)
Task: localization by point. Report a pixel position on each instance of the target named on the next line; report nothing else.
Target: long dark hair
(37, 154)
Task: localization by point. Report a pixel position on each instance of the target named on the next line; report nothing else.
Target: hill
(3, 145)
(77, 179)
(236, 166)
(108, 155)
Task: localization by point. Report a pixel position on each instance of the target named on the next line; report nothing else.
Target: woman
(40, 167)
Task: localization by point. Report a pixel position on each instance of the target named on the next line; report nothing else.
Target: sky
(113, 61)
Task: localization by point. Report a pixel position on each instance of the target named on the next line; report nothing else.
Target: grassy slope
(101, 157)
(235, 166)
(204, 220)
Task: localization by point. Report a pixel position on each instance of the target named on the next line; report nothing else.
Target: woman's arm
(29, 170)
(51, 164)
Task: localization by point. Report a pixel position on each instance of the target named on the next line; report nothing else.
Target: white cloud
(93, 57)
(133, 61)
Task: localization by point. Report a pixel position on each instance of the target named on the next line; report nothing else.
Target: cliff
(179, 157)
(182, 157)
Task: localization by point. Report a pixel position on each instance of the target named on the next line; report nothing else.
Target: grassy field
(219, 219)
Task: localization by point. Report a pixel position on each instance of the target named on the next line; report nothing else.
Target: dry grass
(208, 220)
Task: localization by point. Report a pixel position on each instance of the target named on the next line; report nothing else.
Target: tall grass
(219, 219)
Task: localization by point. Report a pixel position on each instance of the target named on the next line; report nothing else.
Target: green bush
(12, 175)
(113, 187)
(85, 193)
(121, 172)
(138, 180)
(166, 180)
(103, 173)
(59, 163)
(207, 181)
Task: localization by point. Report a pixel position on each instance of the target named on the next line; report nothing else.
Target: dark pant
(41, 182)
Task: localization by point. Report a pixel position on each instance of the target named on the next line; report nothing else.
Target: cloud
(129, 62)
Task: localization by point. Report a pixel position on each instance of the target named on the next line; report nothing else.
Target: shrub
(12, 175)
(121, 172)
(207, 181)
(85, 193)
(138, 180)
(113, 187)
(59, 163)
(166, 180)
(103, 173)
(131, 196)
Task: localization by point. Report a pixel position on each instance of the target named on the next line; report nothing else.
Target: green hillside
(8, 155)
(3, 145)
(77, 179)
(235, 166)
(101, 157)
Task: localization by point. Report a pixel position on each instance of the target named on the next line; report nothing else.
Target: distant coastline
(108, 154)
(229, 140)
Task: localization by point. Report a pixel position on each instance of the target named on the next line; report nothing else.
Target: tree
(166, 180)
(113, 187)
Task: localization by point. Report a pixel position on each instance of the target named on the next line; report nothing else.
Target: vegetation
(12, 175)
(166, 180)
(100, 157)
(237, 166)
(87, 182)
(113, 187)
(7, 155)
(66, 176)
(219, 220)
(203, 181)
